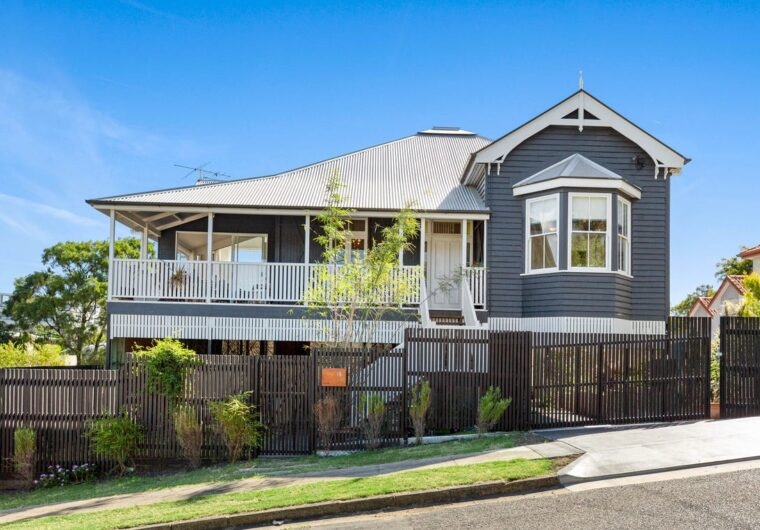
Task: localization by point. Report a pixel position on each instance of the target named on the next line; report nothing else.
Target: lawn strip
(334, 490)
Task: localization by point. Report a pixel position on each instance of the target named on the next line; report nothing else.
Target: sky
(103, 97)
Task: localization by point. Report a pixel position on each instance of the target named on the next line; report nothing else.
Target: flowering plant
(60, 476)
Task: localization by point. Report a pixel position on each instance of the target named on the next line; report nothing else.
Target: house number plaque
(334, 377)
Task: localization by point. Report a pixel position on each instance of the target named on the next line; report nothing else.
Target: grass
(259, 467)
(231, 503)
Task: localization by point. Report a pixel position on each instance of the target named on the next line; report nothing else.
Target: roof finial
(580, 80)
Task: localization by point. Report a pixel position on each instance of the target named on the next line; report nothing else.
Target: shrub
(61, 476)
(168, 365)
(189, 433)
(24, 450)
(238, 423)
(421, 399)
(491, 408)
(327, 414)
(20, 356)
(373, 407)
(116, 438)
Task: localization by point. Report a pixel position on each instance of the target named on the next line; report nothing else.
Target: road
(716, 501)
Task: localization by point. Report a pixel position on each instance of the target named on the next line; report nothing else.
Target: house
(724, 302)
(561, 224)
(729, 295)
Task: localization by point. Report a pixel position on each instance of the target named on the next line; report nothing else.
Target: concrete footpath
(530, 452)
(616, 451)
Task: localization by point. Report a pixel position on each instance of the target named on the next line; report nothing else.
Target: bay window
(589, 231)
(624, 235)
(542, 232)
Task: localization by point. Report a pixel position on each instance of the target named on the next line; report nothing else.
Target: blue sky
(103, 97)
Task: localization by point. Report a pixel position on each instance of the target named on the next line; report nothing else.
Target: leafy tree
(682, 308)
(20, 356)
(65, 302)
(750, 306)
(733, 266)
(352, 290)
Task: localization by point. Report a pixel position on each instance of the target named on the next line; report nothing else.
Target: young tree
(65, 302)
(682, 308)
(352, 291)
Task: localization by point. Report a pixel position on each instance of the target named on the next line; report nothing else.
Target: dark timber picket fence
(553, 380)
(739, 367)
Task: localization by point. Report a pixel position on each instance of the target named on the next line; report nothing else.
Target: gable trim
(667, 160)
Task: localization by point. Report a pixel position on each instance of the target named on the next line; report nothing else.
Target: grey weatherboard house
(560, 225)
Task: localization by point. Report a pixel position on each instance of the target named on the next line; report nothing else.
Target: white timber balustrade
(476, 280)
(223, 281)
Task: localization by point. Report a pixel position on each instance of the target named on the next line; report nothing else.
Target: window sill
(577, 271)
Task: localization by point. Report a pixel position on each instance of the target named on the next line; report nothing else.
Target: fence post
(600, 383)
(722, 377)
(404, 397)
(312, 400)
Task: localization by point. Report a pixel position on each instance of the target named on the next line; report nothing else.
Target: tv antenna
(203, 173)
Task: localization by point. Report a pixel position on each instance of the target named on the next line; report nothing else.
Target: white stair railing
(468, 308)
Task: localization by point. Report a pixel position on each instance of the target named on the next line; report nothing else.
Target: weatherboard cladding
(422, 170)
(511, 294)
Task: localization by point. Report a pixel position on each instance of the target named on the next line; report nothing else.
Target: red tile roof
(737, 280)
(750, 252)
(704, 301)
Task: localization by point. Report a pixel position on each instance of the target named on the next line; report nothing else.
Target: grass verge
(334, 490)
(259, 467)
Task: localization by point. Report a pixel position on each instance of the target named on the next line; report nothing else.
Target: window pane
(579, 250)
(623, 251)
(537, 252)
(580, 210)
(550, 249)
(543, 216)
(623, 218)
(598, 213)
(597, 256)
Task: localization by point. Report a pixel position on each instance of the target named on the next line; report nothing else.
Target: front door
(445, 264)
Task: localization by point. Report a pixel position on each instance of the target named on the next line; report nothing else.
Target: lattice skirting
(232, 328)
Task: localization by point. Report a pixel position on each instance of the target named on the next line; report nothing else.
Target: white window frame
(178, 248)
(627, 236)
(528, 202)
(608, 235)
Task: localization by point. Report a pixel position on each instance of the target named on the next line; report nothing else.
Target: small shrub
(491, 408)
(116, 438)
(373, 407)
(238, 423)
(168, 365)
(57, 476)
(421, 400)
(189, 433)
(327, 414)
(24, 451)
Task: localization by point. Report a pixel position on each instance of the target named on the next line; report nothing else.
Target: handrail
(425, 319)
(468, 308)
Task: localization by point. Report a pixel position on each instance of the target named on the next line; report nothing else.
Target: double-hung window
(624, 235)
(542, 233)
(589, 231)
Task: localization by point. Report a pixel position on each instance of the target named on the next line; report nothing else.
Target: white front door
(445, 262)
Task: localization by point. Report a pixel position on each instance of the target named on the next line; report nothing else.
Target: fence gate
(355, 377)
(739, 367)
(598, 379)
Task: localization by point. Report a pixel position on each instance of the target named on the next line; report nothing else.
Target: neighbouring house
(729, 295)
(561, 224)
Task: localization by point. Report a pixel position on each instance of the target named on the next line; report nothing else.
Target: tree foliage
(733, 266)
(65, 302)
(491, 408)
(22, 356)
(682, 308)
(116, 438)
(750, 306)
(238, 422)
(168, 364)
(421, 398)
(352, 290)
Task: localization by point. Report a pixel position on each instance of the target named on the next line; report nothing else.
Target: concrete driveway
(634, 449)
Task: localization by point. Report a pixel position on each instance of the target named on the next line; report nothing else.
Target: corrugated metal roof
(423, 169)
(574, 166)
